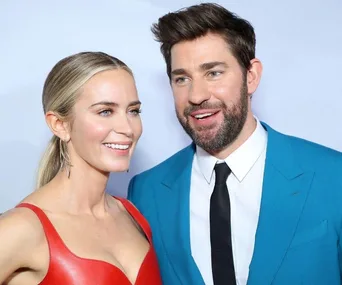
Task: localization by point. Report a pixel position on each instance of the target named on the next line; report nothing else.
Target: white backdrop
(298, 41)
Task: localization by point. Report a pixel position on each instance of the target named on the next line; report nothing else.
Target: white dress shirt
(245, 187)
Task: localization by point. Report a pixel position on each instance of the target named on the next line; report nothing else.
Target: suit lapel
(174, 217)
(285, 189)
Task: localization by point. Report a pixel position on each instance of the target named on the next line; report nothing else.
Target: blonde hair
(60, 92)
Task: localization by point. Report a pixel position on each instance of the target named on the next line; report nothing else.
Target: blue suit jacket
(298, 238)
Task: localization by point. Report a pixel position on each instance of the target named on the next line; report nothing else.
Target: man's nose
(198, 92)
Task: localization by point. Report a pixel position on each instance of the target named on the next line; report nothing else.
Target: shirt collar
(241, 160)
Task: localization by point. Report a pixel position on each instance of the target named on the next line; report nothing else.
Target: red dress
(65, 268)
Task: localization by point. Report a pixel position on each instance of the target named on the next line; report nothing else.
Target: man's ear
(254, 73)
(59, 127)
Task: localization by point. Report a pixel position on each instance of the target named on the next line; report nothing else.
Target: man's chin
(204, 140)
(204, 134)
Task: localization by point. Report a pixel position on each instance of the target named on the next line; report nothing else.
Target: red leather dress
(66, 268)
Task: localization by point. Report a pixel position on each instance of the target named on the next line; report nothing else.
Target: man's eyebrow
(179, 71)
(204, 66)
(209, 65)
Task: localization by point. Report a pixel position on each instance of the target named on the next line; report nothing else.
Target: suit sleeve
(340, 253)
(340, 242)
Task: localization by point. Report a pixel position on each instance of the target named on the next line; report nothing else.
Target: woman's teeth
(117, 146)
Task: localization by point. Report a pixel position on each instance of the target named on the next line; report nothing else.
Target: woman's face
(106, 124)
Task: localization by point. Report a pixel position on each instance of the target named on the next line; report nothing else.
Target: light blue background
(299, 43)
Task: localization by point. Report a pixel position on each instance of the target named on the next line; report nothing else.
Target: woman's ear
(59, 127)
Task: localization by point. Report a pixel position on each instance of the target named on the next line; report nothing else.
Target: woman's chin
(119, 168)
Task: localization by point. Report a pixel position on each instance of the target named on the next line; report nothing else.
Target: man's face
(210, 91)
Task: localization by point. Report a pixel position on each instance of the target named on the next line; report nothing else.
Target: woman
(70, 231)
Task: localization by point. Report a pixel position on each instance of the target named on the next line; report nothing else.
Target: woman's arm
(20, 234)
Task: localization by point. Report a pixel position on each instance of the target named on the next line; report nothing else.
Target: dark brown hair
(196, 21)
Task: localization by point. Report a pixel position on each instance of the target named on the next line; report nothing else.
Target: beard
(211, 139)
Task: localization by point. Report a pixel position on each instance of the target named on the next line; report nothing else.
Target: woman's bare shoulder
(20, 232)
(20, 223)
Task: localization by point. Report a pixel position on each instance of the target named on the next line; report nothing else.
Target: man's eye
(214, 73)
(180, 80)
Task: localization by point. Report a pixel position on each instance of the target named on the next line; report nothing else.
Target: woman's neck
(83, 192)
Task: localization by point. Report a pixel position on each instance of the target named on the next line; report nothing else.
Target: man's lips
(203, 113)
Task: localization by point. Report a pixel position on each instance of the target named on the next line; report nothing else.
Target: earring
(61, 156)
(68, 171)
(64, 158)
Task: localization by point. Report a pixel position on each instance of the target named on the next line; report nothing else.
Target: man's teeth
(201, 116)
(117, 146)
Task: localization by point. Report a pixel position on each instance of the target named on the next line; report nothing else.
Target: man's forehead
(199, 51)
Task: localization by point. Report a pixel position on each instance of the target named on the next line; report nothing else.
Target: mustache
(205, 105)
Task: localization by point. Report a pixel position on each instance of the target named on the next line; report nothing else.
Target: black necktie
(220, 230)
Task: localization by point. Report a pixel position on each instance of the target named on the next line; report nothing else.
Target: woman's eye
(136, 111)
(105, 113)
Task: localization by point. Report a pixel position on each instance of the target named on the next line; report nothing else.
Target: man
(277, 218)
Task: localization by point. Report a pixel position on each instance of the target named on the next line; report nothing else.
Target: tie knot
(222, 172)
